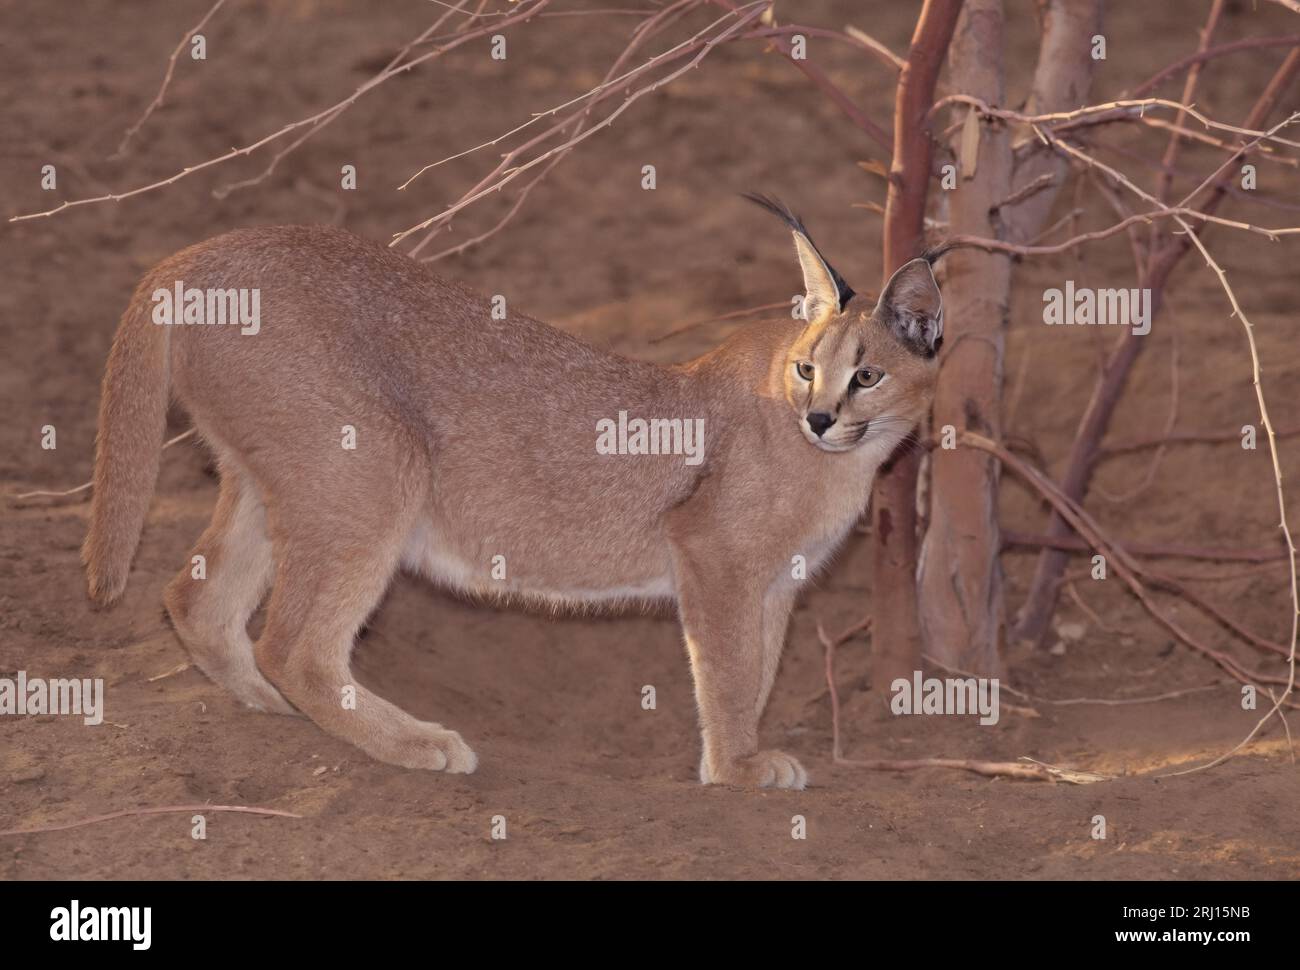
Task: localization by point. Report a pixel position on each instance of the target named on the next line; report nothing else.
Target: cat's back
(329, 282)
(344, 319)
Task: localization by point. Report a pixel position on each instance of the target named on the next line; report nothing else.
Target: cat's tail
(128, 447)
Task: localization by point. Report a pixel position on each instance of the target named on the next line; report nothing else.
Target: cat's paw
(767, 769)
(428, 746)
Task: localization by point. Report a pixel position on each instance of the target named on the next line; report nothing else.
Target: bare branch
(1130, 108)
(1183, 438)
(1116, 557)
(225, 190)
(1164, 212)
(608, 83)
(1250, 43)
(157, 101)
(1074, 544)
(1032, 619)
(527, 9)
(1189, 90)
(750, 12)
(1281, 507)
(815, 74)
(573, 124)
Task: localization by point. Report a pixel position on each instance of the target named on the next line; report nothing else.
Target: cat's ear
(911, 307)
(824, 289)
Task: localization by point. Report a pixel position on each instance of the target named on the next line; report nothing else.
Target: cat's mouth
(837, 440)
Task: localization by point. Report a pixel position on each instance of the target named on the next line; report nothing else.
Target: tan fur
(476, 439)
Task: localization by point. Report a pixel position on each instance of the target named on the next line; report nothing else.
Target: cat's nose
(819, 421)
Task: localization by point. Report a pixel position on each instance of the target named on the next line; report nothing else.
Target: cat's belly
(510, 569)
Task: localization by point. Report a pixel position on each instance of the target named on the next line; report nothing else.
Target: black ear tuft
(777, 208)
(843, 292)
(932, 254)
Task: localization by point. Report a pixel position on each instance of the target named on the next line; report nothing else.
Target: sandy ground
(590, 785)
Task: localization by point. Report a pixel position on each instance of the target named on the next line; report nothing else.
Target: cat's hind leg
(337, 546)
(212, 598)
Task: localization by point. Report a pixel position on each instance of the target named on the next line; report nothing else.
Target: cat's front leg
(730, 645)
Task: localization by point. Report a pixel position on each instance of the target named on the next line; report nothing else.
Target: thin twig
(1034, 771)
(1182, 438)
(86, 485)
(164, 810)
(166, 81)
(573, 125)
(608, 83)
(1236, 46)
(752, 11)
(1129, 107)
(1086, 609)
(748, 311)
(1154, 465)
(1071, 701)
(223, 191)
(1278, 702)
(526, 10)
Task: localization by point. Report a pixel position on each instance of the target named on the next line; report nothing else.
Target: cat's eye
(867, 377)
(805, 370)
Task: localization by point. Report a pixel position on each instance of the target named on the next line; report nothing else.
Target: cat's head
(856, 372)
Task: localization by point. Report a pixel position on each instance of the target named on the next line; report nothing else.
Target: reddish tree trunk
(896, 634)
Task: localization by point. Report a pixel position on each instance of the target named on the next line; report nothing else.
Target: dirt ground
(590, 785)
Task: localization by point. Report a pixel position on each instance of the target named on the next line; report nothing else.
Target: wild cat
(379, 418)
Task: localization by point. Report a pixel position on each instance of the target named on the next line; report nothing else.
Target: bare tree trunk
(959, 580)
(896, 635)
(1062, 79)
